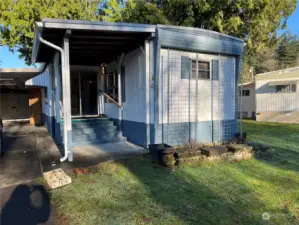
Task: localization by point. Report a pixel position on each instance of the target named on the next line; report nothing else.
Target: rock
(213, 151)
(239, 148)
(57, 178)
(196, 160)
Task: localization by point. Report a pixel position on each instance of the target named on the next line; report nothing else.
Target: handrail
(112, 100)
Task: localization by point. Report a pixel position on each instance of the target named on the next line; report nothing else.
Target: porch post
(100, 86)
(120, 114)
(67, 98)
(57, 97)
(147, 88)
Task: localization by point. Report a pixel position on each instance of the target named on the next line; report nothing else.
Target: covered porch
(87, 77)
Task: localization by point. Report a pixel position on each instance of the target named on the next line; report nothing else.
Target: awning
(282, 82)
(90, 43)
(16, 76)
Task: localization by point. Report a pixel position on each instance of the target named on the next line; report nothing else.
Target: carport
(84, 43)
(14, 95)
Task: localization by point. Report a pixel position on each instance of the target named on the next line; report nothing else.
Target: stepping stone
(213, 151)
(57, 178)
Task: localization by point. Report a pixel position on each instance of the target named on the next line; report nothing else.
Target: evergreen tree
(255, 21)
(287, 52)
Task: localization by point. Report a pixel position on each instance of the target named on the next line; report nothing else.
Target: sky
(10, 60)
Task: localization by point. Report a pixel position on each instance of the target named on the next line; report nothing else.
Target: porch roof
(16, 76)
(91, 43)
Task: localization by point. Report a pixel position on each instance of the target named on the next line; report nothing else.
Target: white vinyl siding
(268, 100)
(224, 104)
(44, 80)
(135, 103)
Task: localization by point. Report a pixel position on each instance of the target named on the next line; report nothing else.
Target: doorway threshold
(87, 117)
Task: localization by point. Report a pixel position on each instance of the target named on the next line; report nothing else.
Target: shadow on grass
(136, 191)
(283, 158)
(282, 138)
(195, 201)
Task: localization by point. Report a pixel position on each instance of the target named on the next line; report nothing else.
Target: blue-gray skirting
(58, 132)
(202, 132)
(47, 121)
(172, 134)
(53, 127)
(135, 132)
(178, 133)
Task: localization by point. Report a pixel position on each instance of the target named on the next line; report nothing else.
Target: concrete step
(94, 137)
(94, 130)
(91, 125)
(103, 141)
(89, 120)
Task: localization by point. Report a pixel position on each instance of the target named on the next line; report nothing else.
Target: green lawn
(137, 192)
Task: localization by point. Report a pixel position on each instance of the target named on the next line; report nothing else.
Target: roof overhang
(285, 74)
(91, 43)
(247, 83)
(16, 77)
(282, 82)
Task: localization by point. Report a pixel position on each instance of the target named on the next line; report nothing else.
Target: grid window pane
(111, 85)
(194, 74)
(203, 69)
(204, 66)
(193, 64)
(204, 74)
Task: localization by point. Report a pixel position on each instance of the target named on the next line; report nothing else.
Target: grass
(137, 192)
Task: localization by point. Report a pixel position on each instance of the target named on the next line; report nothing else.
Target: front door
(84, 93)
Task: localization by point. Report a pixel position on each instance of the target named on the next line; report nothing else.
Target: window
(203, 69)
(245, 114)
(123, 84)
(289, 88)
(245, 93)
(111, 87)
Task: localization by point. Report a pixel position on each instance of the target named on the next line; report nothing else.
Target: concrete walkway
(19, 159)
(22, 200)
(28, 151)
(97, 153)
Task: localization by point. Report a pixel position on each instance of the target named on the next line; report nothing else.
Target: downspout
(66, 152)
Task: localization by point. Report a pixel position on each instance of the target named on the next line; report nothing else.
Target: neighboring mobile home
(247, 91)
(156, 83)
(277, 96)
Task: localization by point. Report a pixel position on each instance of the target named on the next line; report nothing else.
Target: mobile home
(147, 84)
(247, 107)
(277, 96)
